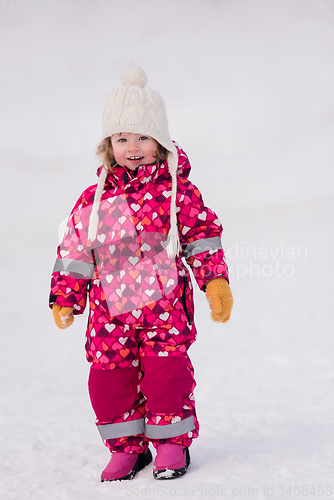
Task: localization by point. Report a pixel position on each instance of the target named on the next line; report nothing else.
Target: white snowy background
(248, 86)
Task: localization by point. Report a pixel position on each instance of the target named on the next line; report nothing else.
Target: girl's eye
(143, 138)
(122, 139)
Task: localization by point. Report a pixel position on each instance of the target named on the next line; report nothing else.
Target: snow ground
(248, 90)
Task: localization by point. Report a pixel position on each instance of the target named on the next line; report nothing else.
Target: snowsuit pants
(145, 392)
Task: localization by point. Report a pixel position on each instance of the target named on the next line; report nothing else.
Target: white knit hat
(134, 108)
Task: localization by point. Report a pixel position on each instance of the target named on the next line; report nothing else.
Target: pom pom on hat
(134, 75)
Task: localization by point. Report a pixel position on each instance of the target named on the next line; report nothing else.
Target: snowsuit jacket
(126, 271)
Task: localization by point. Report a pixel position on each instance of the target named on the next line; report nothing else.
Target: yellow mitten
(63, 316)
(220, 299)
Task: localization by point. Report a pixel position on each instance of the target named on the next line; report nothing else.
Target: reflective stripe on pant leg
(170, 430)
(122, 429)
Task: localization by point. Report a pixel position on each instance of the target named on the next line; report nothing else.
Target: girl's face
(132, 150)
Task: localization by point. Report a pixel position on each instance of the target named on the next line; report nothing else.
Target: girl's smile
(132, 150)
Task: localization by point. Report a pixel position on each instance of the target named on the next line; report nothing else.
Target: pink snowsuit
(141, 317)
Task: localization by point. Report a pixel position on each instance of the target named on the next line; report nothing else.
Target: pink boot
(172, 461)
(125, 465)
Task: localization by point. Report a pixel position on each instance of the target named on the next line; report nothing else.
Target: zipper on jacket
(128, 176)
(184, 299)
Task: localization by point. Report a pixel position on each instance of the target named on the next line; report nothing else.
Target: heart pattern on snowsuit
(131, 283)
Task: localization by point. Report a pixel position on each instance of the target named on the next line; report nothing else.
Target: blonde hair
(105, 153)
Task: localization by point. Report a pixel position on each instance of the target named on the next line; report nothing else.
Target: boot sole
(172, 473)
(143, 460)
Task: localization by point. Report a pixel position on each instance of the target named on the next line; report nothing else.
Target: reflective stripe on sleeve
(122, 429)
(202, 245)
(74, 266)
(170, 430)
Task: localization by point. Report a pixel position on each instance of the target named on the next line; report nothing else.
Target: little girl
(123, 245)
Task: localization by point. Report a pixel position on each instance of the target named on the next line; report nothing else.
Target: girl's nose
(133, 146)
